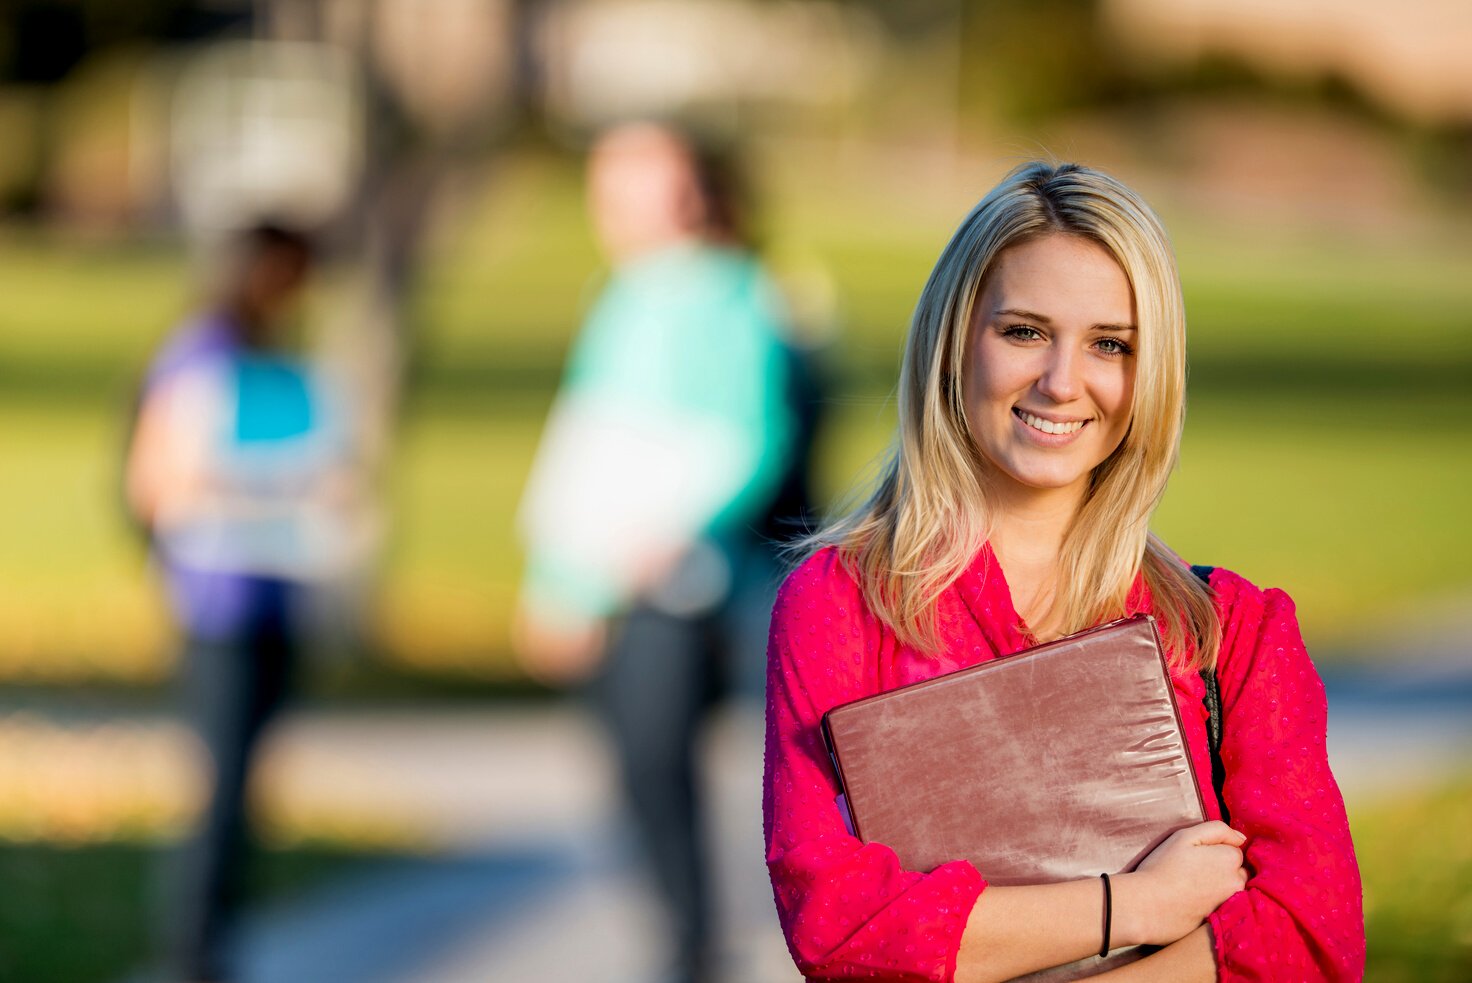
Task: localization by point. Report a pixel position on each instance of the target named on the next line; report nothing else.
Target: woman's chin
(1041, 484)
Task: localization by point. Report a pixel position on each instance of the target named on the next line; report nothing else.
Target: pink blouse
(850, 911)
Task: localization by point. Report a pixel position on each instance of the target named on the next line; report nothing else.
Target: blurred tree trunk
(409, 164)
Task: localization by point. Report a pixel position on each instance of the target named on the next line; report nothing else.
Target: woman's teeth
(1048, 426)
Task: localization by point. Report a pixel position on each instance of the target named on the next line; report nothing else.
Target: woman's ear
(691, 210)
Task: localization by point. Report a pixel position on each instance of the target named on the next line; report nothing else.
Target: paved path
(538, 880)
(1389, 732)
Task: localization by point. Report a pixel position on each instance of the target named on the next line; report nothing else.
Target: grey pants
(663, 674)
(232, 687)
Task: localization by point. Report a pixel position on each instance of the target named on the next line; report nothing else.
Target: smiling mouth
(1048, 426)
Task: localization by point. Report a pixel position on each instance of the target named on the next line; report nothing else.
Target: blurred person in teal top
(674, 433)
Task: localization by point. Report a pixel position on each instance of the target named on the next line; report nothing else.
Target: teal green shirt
(690, 334)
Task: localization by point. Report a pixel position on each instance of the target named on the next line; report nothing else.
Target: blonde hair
(928, 516)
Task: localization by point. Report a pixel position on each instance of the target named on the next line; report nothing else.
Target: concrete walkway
(538, 877)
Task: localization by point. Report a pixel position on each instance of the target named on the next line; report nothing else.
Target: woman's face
(1050, 364)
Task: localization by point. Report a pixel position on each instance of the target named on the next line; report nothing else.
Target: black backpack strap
(1213, 701)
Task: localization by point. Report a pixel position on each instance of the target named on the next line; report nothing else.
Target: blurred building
(609, 59)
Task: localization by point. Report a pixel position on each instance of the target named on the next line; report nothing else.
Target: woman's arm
(166, 472)
(847, 908)
(1301, 915)
(1186, 960)
(1017, 930)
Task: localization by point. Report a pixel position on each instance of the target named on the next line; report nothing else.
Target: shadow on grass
(90, 914)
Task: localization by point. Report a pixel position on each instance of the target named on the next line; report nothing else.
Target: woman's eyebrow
(1025, 315)
(1045, 319)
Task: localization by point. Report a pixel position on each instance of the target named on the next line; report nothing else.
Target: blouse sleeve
(1300, 916)
(847, 908)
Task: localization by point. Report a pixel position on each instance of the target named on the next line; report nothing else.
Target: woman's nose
(1061, 380)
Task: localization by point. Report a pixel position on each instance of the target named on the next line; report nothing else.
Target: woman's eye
(1022, 332)
(1114, 346)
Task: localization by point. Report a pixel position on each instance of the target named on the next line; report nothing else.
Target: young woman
(1041, 403)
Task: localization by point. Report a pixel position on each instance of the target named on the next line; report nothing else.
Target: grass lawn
(1416, 861)
(1327, 446)
(1348, 505)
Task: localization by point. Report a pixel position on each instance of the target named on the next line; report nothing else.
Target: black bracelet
(1108, 915)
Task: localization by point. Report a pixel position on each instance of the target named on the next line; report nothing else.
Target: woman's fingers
(1225, 854)
(1214, 831)
(1228, 860)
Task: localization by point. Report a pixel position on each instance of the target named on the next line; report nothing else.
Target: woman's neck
(1027, 539)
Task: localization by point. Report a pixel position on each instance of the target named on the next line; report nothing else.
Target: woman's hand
(558, 652)
(1179, 884)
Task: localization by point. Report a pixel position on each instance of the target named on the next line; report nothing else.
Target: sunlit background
(1312, 159)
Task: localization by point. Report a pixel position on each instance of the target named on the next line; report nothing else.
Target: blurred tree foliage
(1023, 63)
(41, 41)
(1029, 60)
(1018, 63)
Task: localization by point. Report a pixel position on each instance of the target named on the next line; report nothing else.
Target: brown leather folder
(1062, 761)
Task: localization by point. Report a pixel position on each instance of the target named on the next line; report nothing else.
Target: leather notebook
(1059, 762)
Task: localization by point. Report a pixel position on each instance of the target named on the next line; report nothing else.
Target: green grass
(1298, 293)
(1416, 862)
(91, 914)
(1347, 505)
(512, 282)
(78, 600)
(78, 320)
